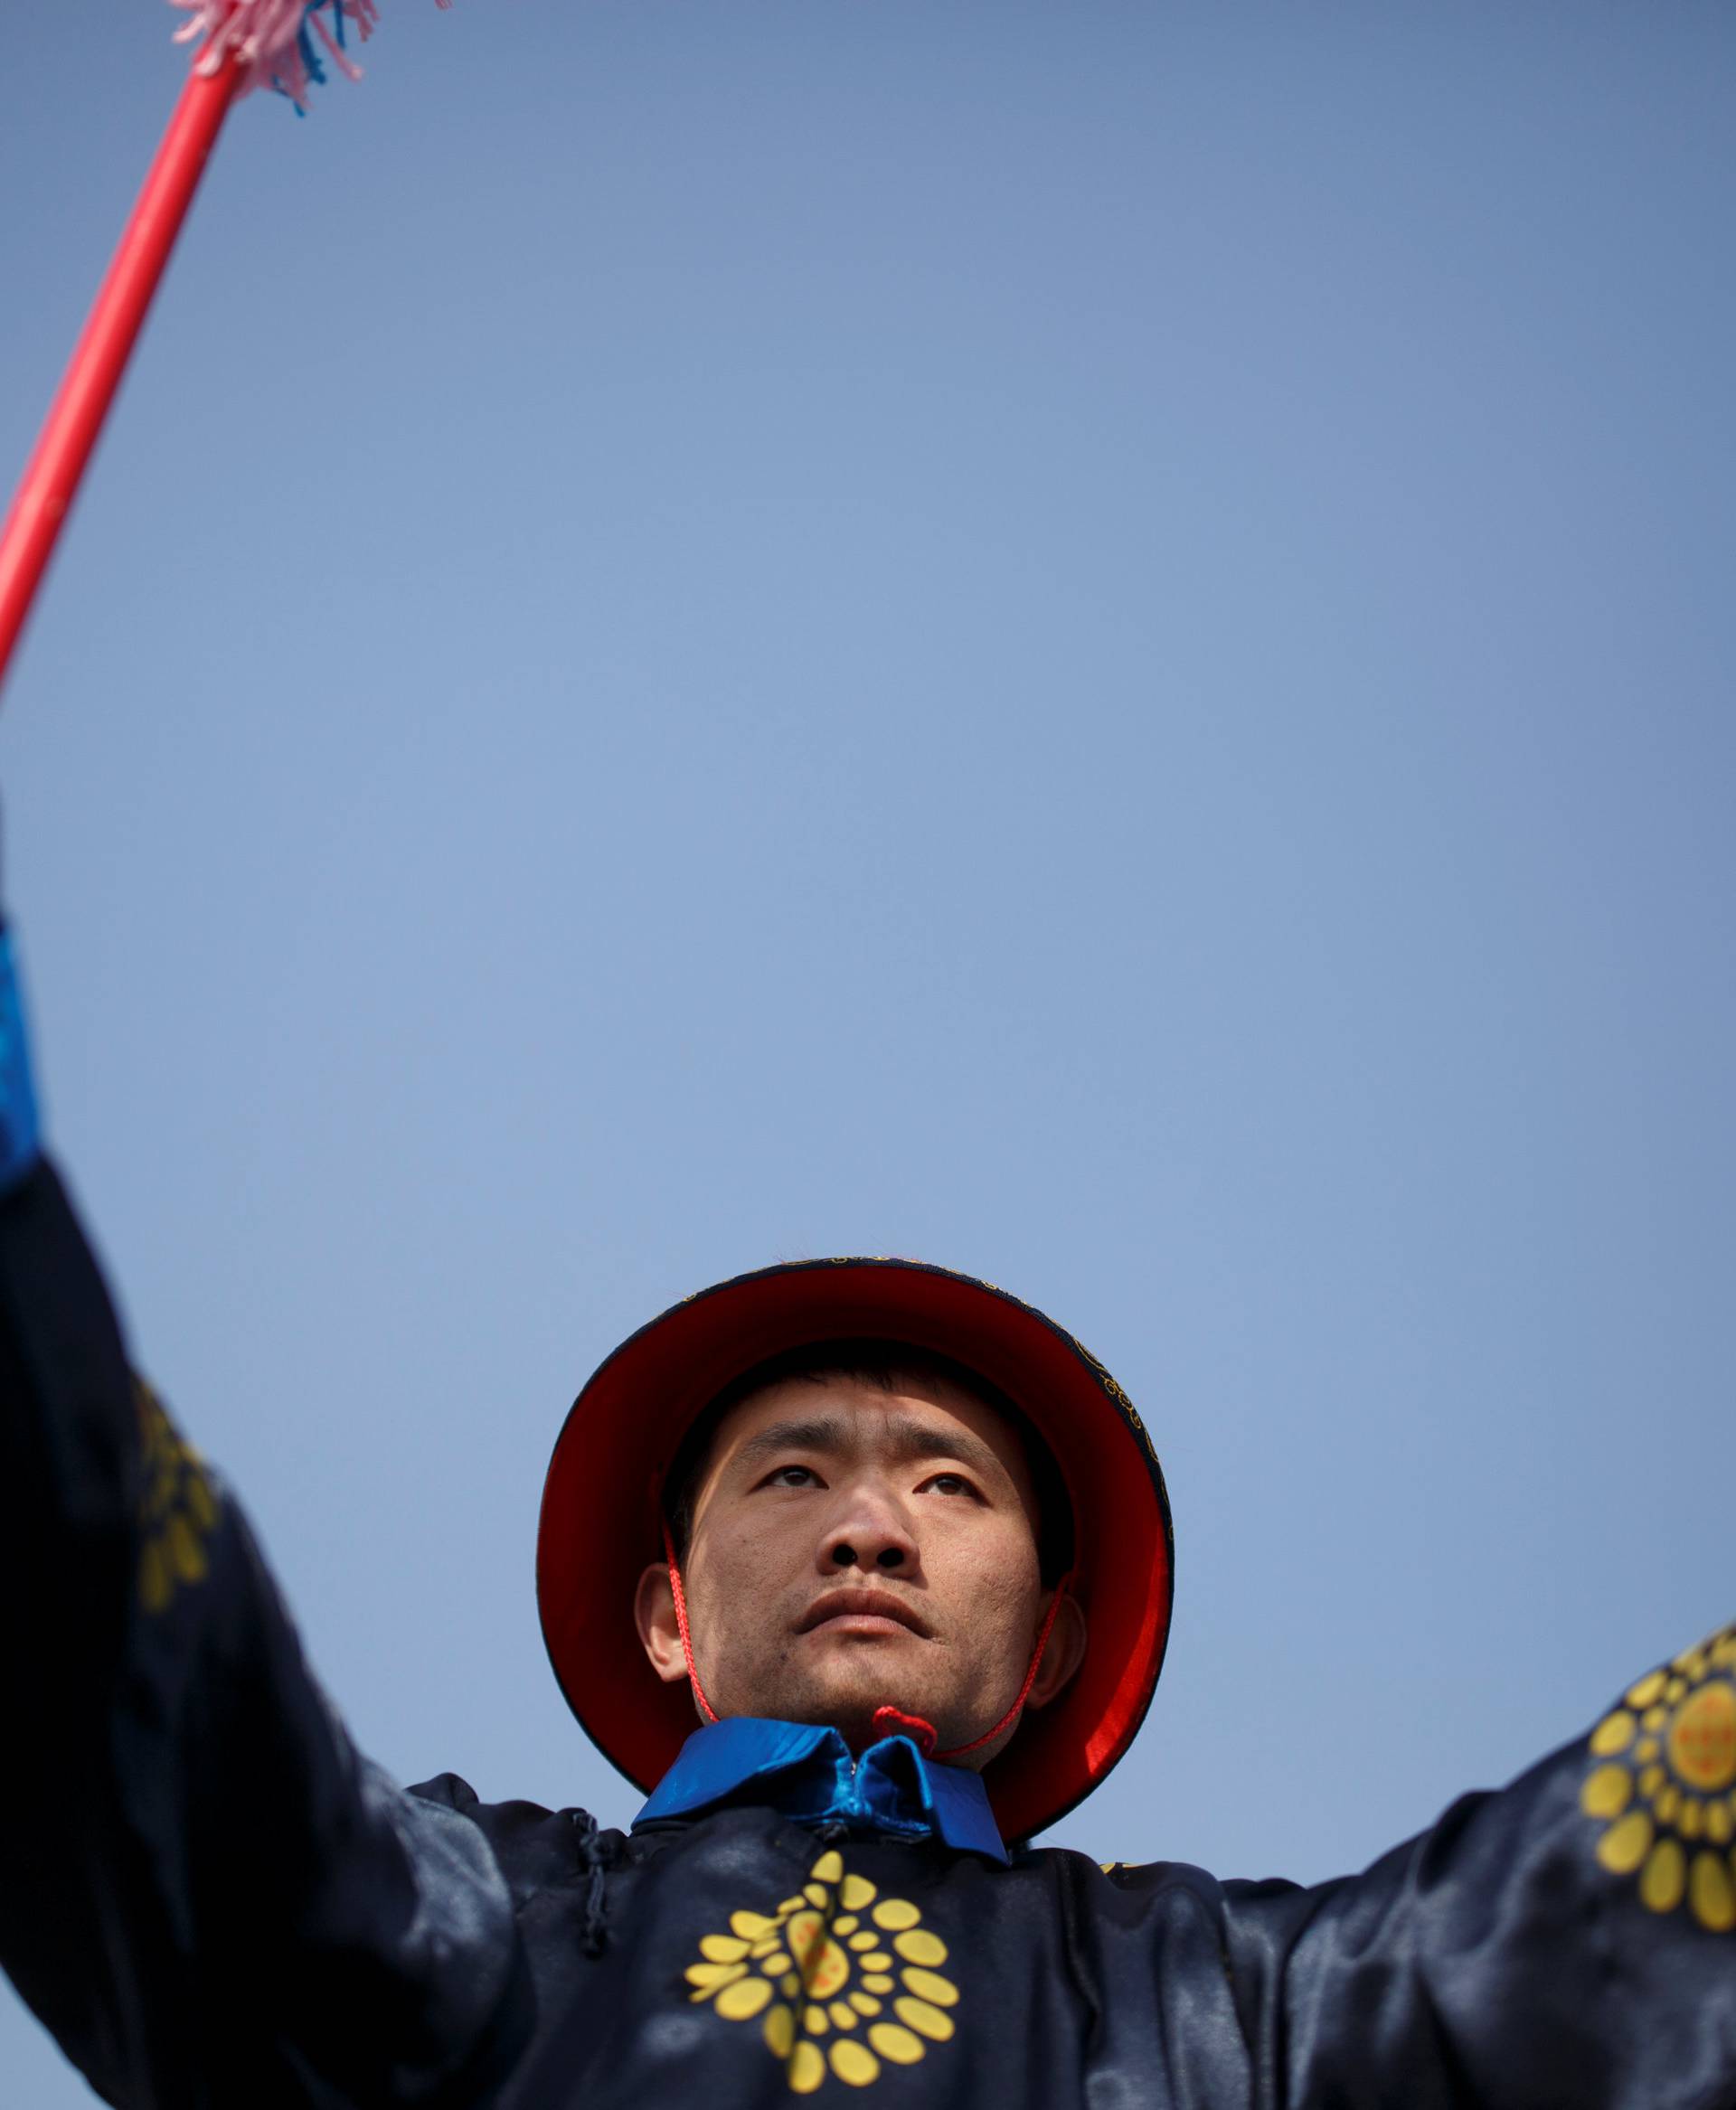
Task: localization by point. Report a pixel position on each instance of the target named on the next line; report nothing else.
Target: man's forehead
(865, 1390)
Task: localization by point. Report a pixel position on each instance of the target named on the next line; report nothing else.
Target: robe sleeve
(1570, 1939)
(205, 1892)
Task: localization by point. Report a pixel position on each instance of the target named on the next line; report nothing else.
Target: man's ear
(653, 1614)
(1062, 1656)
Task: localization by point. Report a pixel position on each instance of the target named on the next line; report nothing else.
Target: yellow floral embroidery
(846, 1981)
(178, 1510)
(1663, 1783)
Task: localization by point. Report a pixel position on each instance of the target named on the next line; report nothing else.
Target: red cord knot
(889, 1722)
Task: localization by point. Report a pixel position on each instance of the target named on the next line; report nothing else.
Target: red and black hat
(601, 1517)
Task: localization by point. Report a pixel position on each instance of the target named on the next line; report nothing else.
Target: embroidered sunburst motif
(1664, 1783)
(846, 1981)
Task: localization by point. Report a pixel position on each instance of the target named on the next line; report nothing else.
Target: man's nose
(873, 1535)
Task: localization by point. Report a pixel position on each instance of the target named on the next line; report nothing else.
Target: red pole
(50, 483)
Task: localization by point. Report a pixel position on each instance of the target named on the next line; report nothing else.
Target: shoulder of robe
(534, 1846)
(1147, 1879)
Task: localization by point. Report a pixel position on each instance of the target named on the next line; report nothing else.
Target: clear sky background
(1094, 641)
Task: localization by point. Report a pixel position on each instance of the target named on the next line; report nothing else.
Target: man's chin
(844, 1694)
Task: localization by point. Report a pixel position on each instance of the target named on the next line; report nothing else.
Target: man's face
(854, 1548)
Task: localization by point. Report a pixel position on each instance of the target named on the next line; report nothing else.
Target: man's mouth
(867, 1611)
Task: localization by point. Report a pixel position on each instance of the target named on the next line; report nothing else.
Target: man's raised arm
(1570, 1940)
(205, 1892)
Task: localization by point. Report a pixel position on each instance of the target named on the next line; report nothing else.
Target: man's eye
(793, 1477)
(949, 1483)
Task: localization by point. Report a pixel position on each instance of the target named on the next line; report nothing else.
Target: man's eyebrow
(911, 1440)
(824, 1434)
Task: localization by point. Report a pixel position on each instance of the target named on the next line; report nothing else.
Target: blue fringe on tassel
(310, 50)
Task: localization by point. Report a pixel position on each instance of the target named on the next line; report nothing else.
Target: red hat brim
(600, 1521)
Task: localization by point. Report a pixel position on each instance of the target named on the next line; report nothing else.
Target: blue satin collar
(806, 1773)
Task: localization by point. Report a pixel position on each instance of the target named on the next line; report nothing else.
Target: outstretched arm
(205, 1892)
(1569, 1940)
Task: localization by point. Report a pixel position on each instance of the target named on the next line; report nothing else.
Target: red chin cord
(891, 1721)
(705, 1707)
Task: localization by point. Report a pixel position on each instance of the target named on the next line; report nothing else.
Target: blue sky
(1085, 641)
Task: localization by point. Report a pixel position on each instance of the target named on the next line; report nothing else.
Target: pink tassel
(264, 38)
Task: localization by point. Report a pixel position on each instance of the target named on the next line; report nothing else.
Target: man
(901, 1548)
